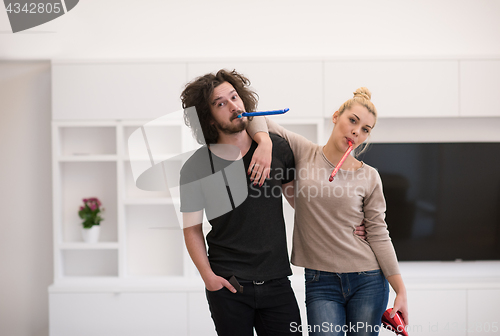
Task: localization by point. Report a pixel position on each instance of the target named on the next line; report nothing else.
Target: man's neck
(241, 140)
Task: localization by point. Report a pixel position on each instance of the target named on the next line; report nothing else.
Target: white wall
(125, 29)
(25, 198)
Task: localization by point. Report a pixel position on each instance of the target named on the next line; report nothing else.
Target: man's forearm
(195, 244)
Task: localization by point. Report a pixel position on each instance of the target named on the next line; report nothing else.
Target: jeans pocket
(311, 275)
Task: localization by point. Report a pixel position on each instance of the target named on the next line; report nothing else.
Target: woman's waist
(335, 264)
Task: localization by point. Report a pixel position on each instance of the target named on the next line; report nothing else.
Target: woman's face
(354, 125)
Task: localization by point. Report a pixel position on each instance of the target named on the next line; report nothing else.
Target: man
(248, 242)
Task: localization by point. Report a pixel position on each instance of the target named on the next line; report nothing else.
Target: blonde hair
(362, 96)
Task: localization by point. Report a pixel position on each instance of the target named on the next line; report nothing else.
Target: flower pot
(91, 235)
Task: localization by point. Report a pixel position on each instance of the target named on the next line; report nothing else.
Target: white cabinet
(200, 321)
(423, 88)
(153, 248)
(418, 88)
(479, 88)
(437, 312)
(483, 311)
(296, 85)
(125, 90)
(124, 314)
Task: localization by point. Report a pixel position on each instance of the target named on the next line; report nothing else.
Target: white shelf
(87, 158)
(146, 201)
(157, 158)
(89, 246)
(162, 121)
(131, 284)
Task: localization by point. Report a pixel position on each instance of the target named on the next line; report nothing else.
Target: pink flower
(94, 200)
(90, 211)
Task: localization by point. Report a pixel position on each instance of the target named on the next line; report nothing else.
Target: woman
(346, 277)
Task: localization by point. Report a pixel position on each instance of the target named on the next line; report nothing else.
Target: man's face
(226, 105)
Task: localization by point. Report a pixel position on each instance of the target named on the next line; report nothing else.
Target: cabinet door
(399, 88)
(124, 314)
(285, 84)
(479, 88)
(116, 91)
(200, 321)
(434, 312)
(483, 307)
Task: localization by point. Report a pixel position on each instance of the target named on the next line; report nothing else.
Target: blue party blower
(263, 113)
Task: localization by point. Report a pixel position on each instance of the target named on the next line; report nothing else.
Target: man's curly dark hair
(198, 93)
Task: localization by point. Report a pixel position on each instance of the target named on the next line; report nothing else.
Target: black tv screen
(443, 199)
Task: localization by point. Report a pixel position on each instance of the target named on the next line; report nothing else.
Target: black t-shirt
(248, 237)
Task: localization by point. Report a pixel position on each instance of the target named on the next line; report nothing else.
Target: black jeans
(270, 307)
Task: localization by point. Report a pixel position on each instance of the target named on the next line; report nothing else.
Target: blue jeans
(351, 303)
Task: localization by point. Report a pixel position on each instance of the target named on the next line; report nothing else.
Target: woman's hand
(260, 166)
(401, 301)
(401, 305)
(360, 230)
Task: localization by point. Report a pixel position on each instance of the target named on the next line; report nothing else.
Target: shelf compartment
(90, 263)
(150, 140)
(154, 241)
(83, 141)
(133, 192)
(83, 180)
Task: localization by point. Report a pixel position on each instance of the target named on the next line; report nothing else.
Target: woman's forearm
(397, 283)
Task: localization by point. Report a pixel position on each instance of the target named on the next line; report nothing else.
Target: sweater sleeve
(377, 234)
(299, 144)
(257, 124)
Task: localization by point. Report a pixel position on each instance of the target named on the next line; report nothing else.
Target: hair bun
(363, 92)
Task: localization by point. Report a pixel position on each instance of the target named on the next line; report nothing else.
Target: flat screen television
(443, 199)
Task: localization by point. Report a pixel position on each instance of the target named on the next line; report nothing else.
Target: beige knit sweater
(326, 213)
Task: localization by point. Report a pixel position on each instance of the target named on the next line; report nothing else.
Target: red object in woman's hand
(395, 324)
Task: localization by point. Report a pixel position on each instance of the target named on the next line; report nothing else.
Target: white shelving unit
(140, 235)
(139, 279)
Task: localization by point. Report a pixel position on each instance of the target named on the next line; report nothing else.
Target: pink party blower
(335, 171)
